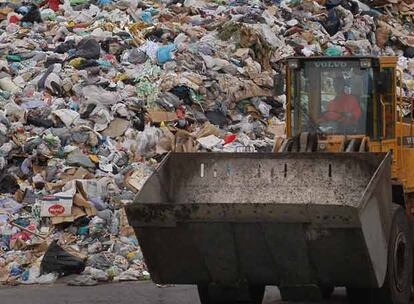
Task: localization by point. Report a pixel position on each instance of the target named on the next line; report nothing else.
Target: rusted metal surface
(277, 179)
(275, 219)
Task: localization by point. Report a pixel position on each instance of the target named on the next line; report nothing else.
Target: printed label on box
(54, 205)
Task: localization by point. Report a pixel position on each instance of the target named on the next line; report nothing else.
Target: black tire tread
(256, 294)
(387, 294)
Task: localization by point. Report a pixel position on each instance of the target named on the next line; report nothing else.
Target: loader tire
(358, 295)
(308, 293)
(225, 296)
(398, 280)
(326, 291)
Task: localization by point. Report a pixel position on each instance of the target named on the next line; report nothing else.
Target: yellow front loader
(331, 206)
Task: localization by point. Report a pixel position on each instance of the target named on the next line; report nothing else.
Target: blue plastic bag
(333, 52)
(104, 2)
(15, 271)
(23, 10)
(146, 17)
(164, 53)
(104, 63)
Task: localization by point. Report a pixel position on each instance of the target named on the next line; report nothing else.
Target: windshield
(332, 97)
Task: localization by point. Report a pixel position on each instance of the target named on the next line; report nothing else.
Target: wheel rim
(400, 256)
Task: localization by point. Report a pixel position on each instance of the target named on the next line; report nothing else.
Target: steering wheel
(329, 126)
(341, 124)
(343, 115)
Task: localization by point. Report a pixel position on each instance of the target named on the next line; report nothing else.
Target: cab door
(388, 137)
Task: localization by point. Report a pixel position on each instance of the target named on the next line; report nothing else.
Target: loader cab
(371, 82)
(368, 84)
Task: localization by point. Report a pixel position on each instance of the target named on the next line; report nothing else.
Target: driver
(344, 108)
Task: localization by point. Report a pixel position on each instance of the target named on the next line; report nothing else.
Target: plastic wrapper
(147, 140)
(9, 205)
(57, 260)
(96, 274)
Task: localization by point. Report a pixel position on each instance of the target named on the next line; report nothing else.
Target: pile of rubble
(94, 93)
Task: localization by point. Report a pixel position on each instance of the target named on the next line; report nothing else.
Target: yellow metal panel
(385, 146)
(388, 61)
(408, 170)
(288, 103)
(406, 128)
(333, 143)
(336, 143)
(375, 146)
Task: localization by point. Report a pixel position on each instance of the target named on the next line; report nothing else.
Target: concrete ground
(122, 293)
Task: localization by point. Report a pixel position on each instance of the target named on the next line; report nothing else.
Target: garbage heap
(93, 94)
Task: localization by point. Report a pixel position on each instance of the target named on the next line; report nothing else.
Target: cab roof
(332, 57)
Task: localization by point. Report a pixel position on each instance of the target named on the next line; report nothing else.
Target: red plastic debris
(180, 111)
(21, 235)
(54, 4)
(13, 19)
(229, 138)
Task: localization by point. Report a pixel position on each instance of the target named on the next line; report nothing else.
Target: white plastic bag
(148, 139)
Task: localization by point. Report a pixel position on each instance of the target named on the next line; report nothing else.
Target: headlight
(322, 147)
(365, 63)
(293, 64)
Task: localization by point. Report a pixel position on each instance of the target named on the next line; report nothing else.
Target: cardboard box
(56, 205)
(159, 116)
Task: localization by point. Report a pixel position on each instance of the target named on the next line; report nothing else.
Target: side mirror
(279, 84)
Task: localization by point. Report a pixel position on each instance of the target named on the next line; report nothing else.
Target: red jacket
(344, 104)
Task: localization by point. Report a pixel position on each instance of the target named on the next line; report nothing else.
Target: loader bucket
(272, 219)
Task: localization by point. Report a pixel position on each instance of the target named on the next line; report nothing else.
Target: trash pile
(94, 93)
